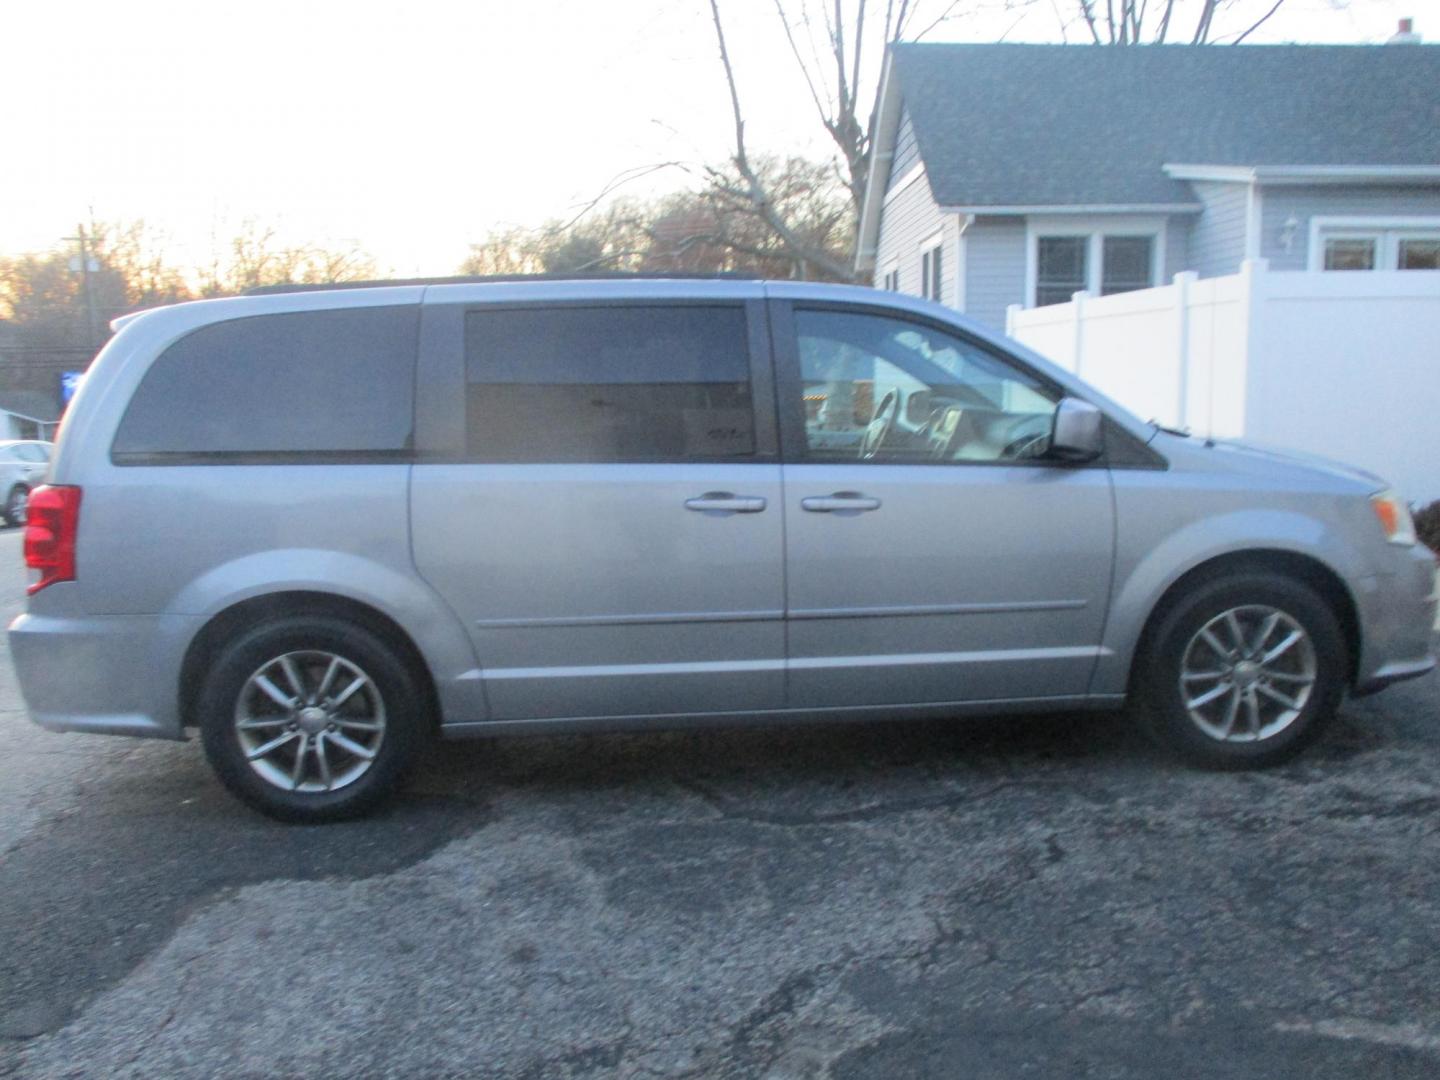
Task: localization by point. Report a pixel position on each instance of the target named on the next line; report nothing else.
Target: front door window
(884, 390)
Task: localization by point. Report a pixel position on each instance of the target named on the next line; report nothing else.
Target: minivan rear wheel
(309, 719)
(1244, 671)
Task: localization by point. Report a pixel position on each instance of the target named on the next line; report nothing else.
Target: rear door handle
(725, 502)
(839, 503)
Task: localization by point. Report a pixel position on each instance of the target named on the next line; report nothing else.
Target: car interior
(881, 389)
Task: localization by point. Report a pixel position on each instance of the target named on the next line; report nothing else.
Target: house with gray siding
(1022, 174)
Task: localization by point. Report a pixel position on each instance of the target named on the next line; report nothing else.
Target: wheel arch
(1291, 564)
(226, 624)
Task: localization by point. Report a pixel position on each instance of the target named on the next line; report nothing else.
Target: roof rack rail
(481, 279)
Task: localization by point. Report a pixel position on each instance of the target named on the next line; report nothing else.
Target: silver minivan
(322, 527)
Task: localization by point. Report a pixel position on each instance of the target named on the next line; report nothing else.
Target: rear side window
(334, 384)
(611, 384)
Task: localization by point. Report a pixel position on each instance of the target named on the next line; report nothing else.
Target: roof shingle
(1042, 125)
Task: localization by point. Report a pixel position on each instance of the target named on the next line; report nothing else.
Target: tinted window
(608, 384)
(316, 382)
(30, 452)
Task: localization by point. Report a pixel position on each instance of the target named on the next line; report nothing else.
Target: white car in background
(23, 465)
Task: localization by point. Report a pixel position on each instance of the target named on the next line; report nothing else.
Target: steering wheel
(1026, 444)
(882, 423)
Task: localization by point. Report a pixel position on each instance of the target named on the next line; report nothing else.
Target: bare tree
(707, 230)
(43, 293)
(806, 196)
(835, 47)
(511, 250)
(324, 265)
(255, 256)
(136, 271)
(1139, 22)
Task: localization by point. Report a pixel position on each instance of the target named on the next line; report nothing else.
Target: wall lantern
(1288, 232)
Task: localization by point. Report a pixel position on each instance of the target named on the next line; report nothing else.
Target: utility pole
(86, 267)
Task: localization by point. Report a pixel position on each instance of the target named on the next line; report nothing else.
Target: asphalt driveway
(992, 898)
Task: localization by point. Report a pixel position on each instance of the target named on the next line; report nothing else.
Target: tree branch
(942, 17)
(615, 183)
(800, 63)
(859, 46)
(1256, 25)
(1202, 26)
(1165, 22)
(756, 196)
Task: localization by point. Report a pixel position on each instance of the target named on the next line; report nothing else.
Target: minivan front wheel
(309, 719)
(1244, 671)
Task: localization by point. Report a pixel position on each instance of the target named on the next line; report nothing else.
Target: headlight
(1394, 517)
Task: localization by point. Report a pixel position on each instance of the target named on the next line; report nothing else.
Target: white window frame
(1096, 229)
(1387, 232)
(933, 242)
(891, 268)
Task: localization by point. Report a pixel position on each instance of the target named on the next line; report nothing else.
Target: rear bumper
(114, 675)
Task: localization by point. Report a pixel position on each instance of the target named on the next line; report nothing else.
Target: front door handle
(725, 502)
(839, 503)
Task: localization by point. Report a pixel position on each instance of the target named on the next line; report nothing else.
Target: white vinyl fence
(1344, 365)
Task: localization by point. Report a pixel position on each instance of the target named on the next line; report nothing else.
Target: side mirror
(1075, 434)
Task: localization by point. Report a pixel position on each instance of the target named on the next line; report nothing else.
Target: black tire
(14, 509)
(1162, 664)
(391, 681)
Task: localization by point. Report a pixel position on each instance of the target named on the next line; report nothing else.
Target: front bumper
(1397, 614)
(114, 675)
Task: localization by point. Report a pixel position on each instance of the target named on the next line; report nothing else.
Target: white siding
(907, 151)
(994, 268)
(1177, 247)
(911, 217)
(1217, 240)
(1328, 200)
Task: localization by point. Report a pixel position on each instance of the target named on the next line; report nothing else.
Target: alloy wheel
(310, 721)
(1247, 674)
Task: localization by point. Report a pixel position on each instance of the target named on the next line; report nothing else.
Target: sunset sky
(414, 128)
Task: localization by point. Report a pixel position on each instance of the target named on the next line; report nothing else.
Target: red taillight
(52, 519)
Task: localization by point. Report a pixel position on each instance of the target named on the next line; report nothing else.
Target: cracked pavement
(985, 898)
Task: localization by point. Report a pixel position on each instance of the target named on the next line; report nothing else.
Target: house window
(890, 281)
(1125, 265)
(1350, 253)
(930, 272)
(1096, 262)
(1060, 268)
(1419, 254)
(1375, 243)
